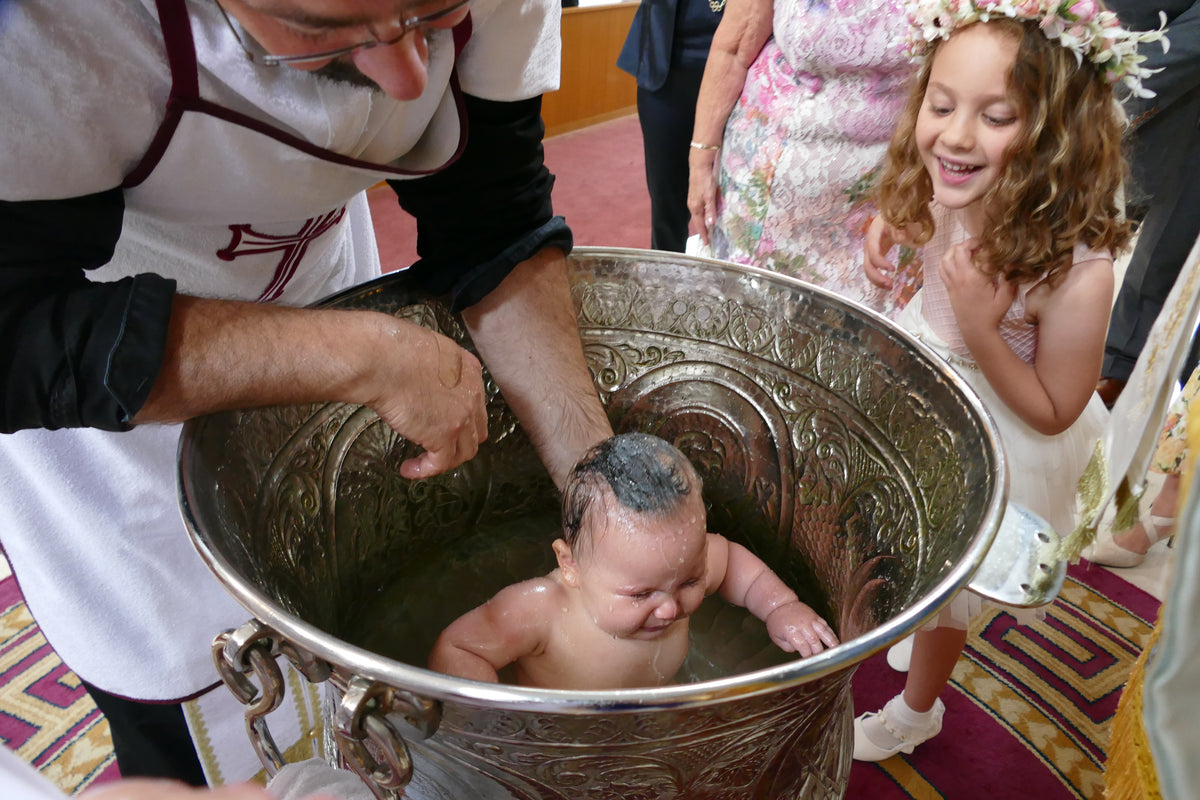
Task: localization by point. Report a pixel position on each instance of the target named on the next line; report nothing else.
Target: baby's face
(640, 574)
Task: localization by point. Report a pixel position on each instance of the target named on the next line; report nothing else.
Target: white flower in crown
(1081, 26)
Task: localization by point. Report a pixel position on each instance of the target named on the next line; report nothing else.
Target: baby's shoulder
(521, 612)
(531, 592)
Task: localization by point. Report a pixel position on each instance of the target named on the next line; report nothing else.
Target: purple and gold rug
(1029, 709)
(46, 717)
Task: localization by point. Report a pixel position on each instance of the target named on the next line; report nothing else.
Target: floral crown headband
(1081, 26)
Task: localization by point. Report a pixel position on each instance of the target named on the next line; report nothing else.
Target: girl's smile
(955, 173)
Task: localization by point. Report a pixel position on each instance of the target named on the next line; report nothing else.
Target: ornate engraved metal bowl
(831, 443)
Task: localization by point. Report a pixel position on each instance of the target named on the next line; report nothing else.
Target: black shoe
(1109, 390)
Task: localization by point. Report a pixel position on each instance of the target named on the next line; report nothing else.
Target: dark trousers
(150, 739)
(667, 116)
(1167, 234)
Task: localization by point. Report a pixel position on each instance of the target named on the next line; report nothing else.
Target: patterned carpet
(1029, 709)
(45, 715)
(1028, 713)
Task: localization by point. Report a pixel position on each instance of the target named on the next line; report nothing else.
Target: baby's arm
(480, 643)
(1072, 317)
(744, 580)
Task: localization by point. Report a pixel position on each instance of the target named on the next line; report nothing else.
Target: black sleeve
(74, 353)
(490, 210)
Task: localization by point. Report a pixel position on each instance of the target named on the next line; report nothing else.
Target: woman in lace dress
(798, 102)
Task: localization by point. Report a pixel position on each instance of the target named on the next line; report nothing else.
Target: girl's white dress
(1043, 471)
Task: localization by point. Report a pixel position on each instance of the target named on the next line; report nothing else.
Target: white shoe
(1108, 553)
(900, 654)
(876, 737)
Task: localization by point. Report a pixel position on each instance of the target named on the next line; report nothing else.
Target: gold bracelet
(699, 146)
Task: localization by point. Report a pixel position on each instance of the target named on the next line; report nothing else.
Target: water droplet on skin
(657, 670)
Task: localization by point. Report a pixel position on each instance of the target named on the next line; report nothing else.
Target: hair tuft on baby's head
(645, 474)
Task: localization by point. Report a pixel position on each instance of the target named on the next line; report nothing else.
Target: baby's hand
(796, 628)
(979, 300)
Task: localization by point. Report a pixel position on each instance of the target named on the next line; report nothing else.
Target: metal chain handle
(366, 735)
(373, 745)
(252, 649)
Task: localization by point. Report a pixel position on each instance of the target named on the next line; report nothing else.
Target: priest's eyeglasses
(410, 20)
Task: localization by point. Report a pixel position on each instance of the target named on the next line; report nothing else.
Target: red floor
(600, 188)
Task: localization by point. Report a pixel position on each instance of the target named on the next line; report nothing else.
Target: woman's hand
(702, 190)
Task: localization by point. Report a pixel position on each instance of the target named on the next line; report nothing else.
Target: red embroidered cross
(247, 241)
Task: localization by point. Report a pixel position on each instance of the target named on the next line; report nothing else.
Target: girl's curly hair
(1064, 169)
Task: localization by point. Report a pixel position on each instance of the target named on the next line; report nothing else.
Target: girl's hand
(881, 238)
(979, 300)
(702, 190)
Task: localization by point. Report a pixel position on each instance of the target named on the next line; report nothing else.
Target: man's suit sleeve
(490, 210)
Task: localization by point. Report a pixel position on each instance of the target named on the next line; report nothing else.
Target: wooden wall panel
(592, 88)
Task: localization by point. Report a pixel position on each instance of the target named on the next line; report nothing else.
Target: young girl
(1007, 166)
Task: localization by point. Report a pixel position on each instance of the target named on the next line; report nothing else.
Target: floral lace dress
(804, 143)
(1173, 441)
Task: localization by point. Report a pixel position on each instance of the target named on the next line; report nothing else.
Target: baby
(634, 563)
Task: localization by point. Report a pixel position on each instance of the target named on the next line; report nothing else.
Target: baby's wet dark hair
(646, 474)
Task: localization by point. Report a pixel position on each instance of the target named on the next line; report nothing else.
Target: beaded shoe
(876, 737)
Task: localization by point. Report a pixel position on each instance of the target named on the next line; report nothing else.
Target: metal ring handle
(375, 747)
(252, 649)
(395, 771)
